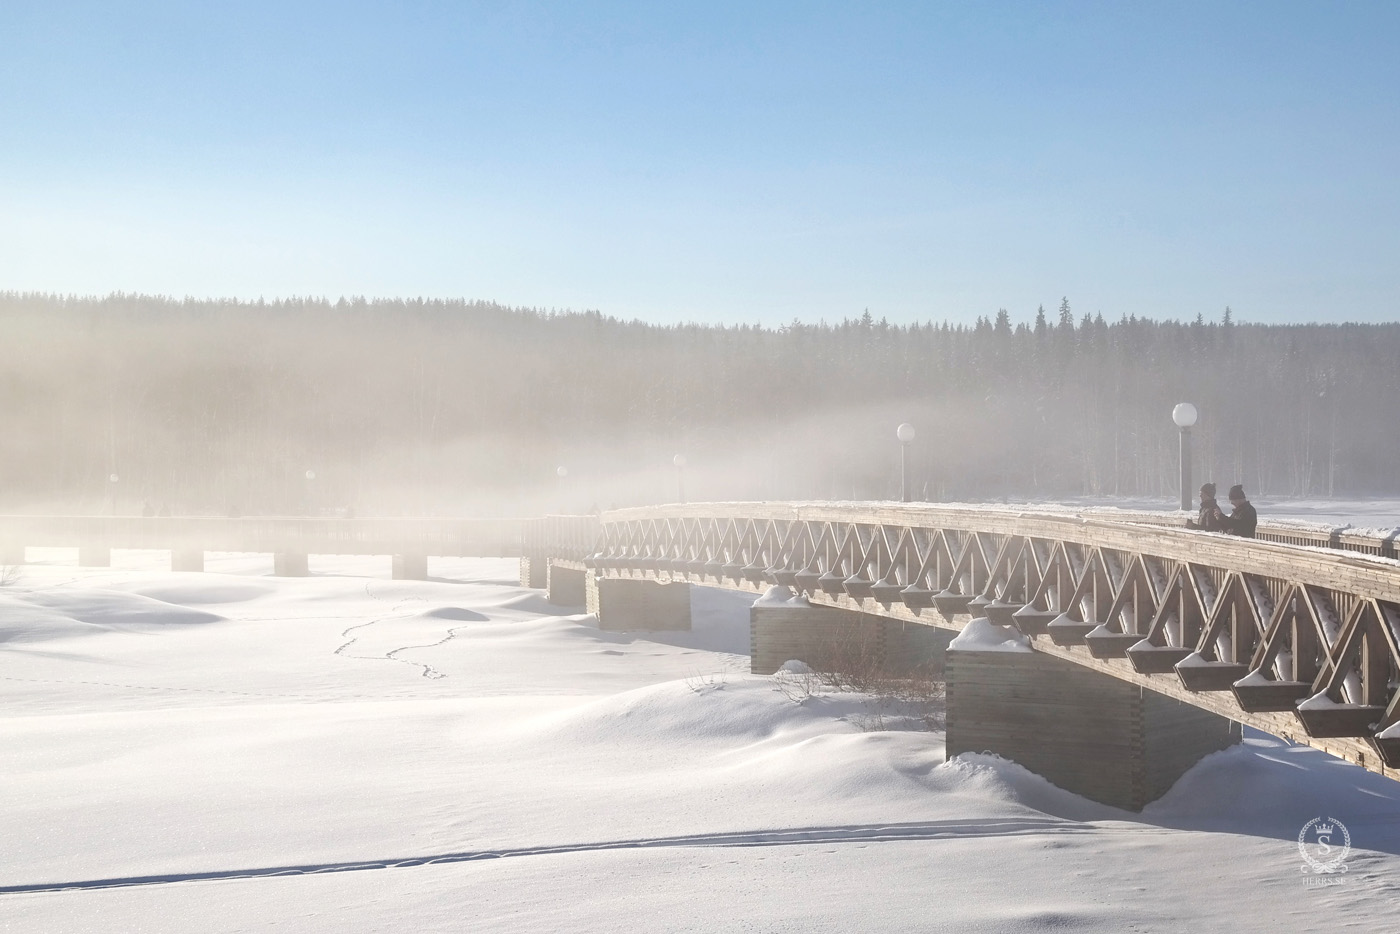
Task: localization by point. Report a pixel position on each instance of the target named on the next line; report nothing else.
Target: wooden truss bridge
(1296, 633)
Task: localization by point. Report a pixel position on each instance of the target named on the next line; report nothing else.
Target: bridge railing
(1262, 630)
(560, 536)
(571, 538)
(1381, 542)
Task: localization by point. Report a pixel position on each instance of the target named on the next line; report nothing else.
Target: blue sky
(713, 162)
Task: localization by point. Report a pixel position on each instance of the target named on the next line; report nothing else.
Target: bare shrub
(798, 686)
(853, 659)
(702, 682)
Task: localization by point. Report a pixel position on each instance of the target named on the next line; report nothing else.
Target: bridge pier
(410, 567)
(829, 639)
(534, 572)
(568, 585)
(94, 556)
(1086, 732)
(624, 605)
(290, 564)
(187, 559)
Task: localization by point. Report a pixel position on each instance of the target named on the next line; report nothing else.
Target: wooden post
(534, 572)
(410, 567)
(290, 564)
(826, 638)
(1086, 732)
(638, 605)
(568, 584)
(94, 556)
(187, 559)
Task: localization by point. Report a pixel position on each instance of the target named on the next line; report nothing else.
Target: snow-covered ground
(230, 751)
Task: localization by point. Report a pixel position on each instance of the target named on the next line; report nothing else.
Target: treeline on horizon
(446, 407)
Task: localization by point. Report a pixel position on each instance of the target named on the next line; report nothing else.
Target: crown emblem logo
(1324, 843)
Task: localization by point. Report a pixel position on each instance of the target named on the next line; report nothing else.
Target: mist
(415, 407)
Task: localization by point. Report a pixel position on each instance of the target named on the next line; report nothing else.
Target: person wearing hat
(1210, 518)
(1243, 519)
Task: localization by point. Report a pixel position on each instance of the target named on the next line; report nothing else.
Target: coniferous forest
(455, 407)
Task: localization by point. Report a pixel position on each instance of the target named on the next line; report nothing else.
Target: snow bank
(995, 779)
(21, 621)
(981, 635)
(778, 595)
(705, 708)
(210, 589)
(30, 616)
(116, 609)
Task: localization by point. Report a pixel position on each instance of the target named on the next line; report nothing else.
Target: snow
(982, 635)
(1319, 701)
(778, 595)
(1254, 679)
(346, 753)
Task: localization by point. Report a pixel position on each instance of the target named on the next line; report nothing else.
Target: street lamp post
(1184, 414)
(905, 434)
(307, 508)
(561, 472)
(112, 492)
(679, 462)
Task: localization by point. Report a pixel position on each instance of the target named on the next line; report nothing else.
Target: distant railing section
(553, 536)
(571, 538)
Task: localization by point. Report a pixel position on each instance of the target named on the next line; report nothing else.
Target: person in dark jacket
(1210, 518)
(1243, 519)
